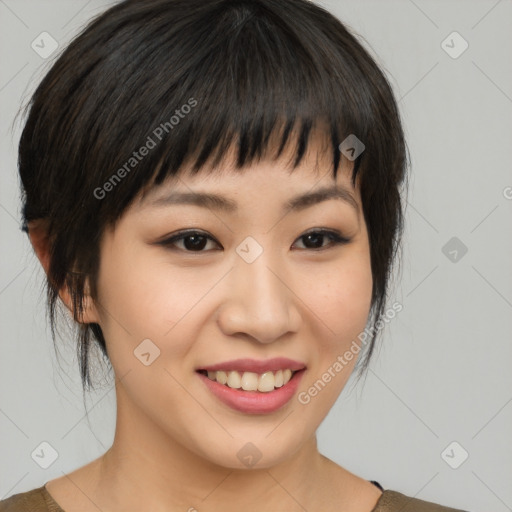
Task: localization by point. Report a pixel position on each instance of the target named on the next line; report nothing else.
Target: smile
(251, 386)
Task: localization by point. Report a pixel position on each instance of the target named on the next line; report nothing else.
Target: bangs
(255, 85)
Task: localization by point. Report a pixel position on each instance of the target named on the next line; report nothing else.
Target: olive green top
(40, 500)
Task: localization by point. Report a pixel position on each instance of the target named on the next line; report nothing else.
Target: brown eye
(197, 241)
(315, 239)
(191, 241)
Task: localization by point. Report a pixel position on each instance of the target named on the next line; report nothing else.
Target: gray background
(442, 373)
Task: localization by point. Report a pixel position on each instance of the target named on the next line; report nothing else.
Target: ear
(38, 234)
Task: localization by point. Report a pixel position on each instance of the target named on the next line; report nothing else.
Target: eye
(196, 241)
(314, 239)
(189, 241)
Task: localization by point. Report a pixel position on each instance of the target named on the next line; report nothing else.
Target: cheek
(147, 299)
(340, 296)
(131, 312)
(340, 299)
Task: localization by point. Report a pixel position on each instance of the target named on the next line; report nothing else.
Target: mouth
(253, 387)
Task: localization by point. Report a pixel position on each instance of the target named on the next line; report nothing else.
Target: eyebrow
(297, 203)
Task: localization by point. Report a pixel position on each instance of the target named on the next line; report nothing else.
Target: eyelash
(335, 237)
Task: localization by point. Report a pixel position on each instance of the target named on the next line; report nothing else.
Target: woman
(213, 190)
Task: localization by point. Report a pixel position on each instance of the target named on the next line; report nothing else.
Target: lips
(255, 366)
(254, 402)
(251, 386)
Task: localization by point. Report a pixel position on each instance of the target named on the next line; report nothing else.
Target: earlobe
(89, 314)
(38, 234)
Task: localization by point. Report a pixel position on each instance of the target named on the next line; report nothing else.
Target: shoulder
(393, 501)
(35, 500)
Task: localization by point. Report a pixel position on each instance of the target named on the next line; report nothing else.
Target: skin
(175, 444)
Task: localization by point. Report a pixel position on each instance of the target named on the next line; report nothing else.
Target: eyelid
(179, 235)
(336, 237)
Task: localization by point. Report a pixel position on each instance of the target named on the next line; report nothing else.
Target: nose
(259, 302)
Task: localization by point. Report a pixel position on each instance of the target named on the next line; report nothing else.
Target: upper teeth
(250, 381)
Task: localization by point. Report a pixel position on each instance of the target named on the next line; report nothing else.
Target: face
(261, 281)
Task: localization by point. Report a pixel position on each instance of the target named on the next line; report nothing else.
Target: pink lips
(255, 402)
(253, 365)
